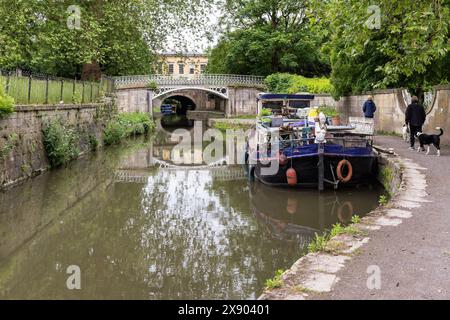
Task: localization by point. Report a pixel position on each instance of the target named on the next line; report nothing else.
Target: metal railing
(197, 79)
(32, 88)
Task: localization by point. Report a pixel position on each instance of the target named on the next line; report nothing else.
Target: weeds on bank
(60, 142)
(324, 243)
(224, 126)
(318, 244)
(275, 282)
(126, 125)
(8, 146)
(383, 201)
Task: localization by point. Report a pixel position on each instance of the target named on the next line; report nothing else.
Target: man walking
(415, 118)
(369, 108)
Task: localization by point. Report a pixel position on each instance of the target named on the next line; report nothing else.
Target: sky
(192, 43)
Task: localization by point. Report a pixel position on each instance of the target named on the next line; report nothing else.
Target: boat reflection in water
(293, 215)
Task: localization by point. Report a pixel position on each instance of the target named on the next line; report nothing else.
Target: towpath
(414, 257)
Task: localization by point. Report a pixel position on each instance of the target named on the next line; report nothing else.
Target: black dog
(428, 140)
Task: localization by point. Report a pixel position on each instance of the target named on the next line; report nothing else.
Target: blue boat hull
(305, 161)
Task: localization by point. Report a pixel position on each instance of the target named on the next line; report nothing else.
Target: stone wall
(242, 101)
(391, 105)
(133, 100)
(22, 153)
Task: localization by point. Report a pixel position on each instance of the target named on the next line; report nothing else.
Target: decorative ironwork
(215, 80)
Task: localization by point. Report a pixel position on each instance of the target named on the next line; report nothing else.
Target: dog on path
(406, 133)
(430, 139)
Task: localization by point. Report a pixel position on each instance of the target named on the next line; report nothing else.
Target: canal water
(140, 228)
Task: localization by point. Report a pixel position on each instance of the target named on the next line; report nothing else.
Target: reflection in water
(142, 232)
(299, 215)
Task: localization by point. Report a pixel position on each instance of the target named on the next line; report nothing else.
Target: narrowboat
(168, 109)
(295, 145)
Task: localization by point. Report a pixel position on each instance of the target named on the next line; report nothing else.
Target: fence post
(92, 88)
(101, 84)
(62, 90)
(82, 97)
(30, 79)
(46, 89)
(74, 89)
(8, 81)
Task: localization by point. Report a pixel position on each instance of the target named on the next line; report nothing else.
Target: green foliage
(120, 36)
(6, 102)
(114, 133)
(384, 200)
(268, 36)
(8, 146)
(409, 49)
(265, 112)
(60, 143)
(324, 243)
(385, 176)
(126, 125)
(356, 219)
(290, 84)
(93, 142)
(76, 98)
(152, 85)
(339, 229)
(231, 125)
(328, 111)
(318, 244)
(276, 282)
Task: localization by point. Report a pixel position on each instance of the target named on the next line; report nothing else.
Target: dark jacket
(369, 109)
(415, 115)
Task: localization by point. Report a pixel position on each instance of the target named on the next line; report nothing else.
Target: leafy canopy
(120, 35)
(406, 49)
(267, 36)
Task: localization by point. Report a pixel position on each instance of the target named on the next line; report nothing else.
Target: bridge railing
(180, 80)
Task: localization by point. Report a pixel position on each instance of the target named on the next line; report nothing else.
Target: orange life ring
(349, 176)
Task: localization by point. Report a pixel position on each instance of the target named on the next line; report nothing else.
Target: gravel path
(414, 257)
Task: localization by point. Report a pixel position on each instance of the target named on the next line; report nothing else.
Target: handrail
(197, 79)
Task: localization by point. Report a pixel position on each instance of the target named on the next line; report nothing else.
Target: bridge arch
(221, 92)
(193, 98)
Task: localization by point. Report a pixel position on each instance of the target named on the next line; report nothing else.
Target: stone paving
(404, 252)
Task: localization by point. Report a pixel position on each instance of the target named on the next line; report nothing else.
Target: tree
(268, 36)
(391, 44)
(122, 36)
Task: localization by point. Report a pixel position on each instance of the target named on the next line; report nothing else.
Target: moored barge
(296, 145)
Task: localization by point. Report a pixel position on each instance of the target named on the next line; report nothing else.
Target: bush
(126, 125)
(266, 112)
(291, 84)
(6, 102)
(329, 111)
(114, 133)
(93, 142)
(152, 85)
(61, 143)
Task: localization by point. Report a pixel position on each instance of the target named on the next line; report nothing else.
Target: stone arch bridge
(227, 95)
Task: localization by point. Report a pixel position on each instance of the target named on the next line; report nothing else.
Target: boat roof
(278, 96)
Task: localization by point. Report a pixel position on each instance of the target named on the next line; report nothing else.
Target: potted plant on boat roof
(331, 113)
